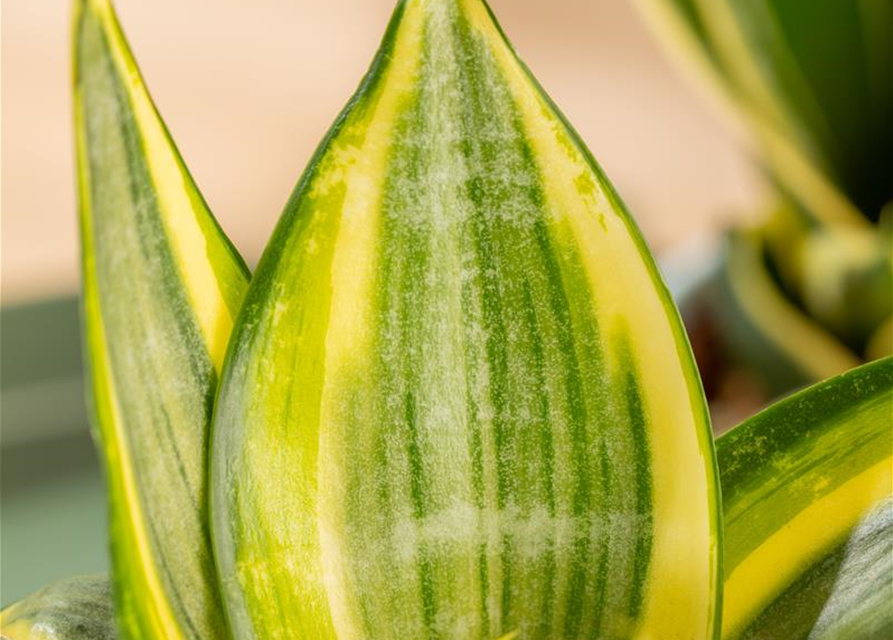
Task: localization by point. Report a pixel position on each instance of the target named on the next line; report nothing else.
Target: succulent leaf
(74, 609)
(806, 495)
(161, 289)
(459, 401)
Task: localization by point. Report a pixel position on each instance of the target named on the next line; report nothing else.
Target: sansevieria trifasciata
(459, 402)
(456, 400)
(161, 289)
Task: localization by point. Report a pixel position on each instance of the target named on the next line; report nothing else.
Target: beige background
(249, 88)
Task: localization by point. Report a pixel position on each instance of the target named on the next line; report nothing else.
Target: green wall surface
(52, 500)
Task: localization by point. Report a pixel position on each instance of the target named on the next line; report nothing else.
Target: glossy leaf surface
(858, 607)
(797, 481)
(459, 402)
(161, 288)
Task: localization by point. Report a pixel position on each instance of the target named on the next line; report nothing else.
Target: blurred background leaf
(812, 85)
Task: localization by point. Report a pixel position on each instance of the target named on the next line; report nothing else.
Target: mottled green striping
(163, 376)
(473, 243)
(508, 223)
(426, 427)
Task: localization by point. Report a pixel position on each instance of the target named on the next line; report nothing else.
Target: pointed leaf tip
(459, 402)
(161, 289)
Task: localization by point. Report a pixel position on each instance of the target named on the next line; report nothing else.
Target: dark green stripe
(643, 482)
(492, 232)
(541, 404)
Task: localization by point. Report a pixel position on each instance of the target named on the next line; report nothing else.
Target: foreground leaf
(74, 609)
(459, 402)
(161, 287)
(797, 480)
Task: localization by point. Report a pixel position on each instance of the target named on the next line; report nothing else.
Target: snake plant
(439, 417)
(161, 289)
(75, 609)
(454, 401)
(812, 83)
(808, 511)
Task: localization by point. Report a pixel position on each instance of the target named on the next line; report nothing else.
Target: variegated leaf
(459, 401)
(74, 609)
(797, 480)
(814, 82)
(161, 289)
